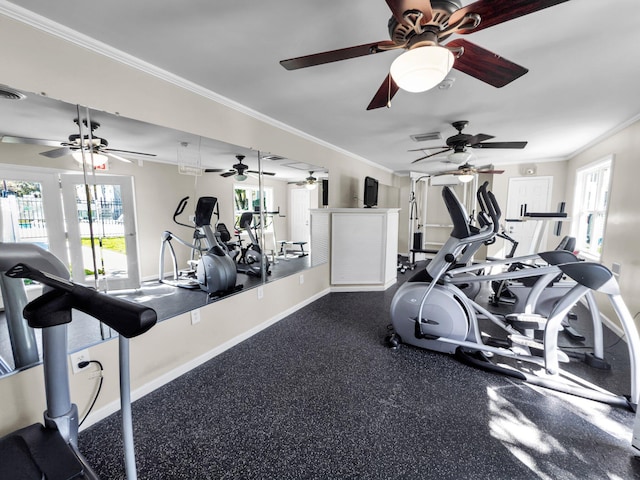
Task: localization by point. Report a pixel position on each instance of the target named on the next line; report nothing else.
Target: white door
(300, 218)
(30, 209)
(534, 194)
(102, 209)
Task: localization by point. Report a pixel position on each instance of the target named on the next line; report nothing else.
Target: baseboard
(158, 382)
(363, 288)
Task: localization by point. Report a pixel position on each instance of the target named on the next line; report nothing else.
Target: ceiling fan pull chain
(389, 91)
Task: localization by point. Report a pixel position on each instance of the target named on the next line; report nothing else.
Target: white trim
(158, 382)
(607, 161)
(364, 288)
(72, 36)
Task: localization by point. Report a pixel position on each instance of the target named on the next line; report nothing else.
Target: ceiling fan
(76, 144)
(238, 170)
(419, 26)
(466, 172)
(459, 143)
(309, 182)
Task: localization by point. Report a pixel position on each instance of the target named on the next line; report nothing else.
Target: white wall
(40, 62)
(622, 230)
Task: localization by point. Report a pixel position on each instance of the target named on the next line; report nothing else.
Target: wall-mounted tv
(370, 192)
(325, 192)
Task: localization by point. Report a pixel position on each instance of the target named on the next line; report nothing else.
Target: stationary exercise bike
(433, 313)
(50, 450)
(214, 271)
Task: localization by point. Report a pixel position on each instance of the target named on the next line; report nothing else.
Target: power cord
(95, 397)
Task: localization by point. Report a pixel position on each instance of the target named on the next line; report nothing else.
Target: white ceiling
(583, 79)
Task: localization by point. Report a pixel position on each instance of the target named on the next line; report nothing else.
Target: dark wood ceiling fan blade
(117, 157)
(481, 137)
(385, 93)
(30, 141)
(337, 55)
(493, 12)
(424, 149)
(264, 173)
(214, 170)
(485, 65)
(107, 150)
(496, 172)
(432, 155)
(56, 153)
(500, 145)
(398, 7)
(448, 172)
(228, 174)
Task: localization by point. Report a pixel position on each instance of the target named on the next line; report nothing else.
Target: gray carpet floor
(319, 396)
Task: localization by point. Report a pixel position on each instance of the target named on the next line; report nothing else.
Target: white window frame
(594, 202)
(268, 196)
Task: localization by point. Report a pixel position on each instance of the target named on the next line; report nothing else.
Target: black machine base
(35, 452)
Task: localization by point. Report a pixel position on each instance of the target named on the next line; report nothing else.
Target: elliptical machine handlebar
(179, 209)
(53, 308)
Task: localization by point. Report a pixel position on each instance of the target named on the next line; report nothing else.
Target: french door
(101, 229)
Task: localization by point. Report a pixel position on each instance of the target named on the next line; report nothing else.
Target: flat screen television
(370, 192)
(325, 192)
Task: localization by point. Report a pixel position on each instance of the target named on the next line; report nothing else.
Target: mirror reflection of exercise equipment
(250, 259)
(210, 267)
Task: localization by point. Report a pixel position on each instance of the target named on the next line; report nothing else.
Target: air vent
(303, 166)
(424, 137)
(273, 158)
(7, 93)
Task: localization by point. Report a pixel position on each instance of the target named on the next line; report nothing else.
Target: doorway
(531, 194)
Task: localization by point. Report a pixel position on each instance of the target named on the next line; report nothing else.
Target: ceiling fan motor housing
(411, 33)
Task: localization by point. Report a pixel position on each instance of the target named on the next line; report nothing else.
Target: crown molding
(53, 28)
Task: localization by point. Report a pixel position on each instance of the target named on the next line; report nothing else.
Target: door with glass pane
(100, 216)
(30, 210)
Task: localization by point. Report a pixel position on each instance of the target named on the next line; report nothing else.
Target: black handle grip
(127, 318)
(180, 208)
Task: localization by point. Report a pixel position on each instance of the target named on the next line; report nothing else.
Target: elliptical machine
(434, 314)
(251, 259)
(214, 271)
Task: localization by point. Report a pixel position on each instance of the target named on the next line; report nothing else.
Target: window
(590, 206)
(247, 199)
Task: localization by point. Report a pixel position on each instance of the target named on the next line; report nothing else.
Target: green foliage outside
(115, 244)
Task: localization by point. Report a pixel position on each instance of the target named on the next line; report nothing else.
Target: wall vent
(424, 137)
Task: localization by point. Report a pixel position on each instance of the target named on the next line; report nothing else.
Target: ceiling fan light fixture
(460, 157)
(422, 68)
(310, 186)
(95, 159)
(465, 177)
(240, 177)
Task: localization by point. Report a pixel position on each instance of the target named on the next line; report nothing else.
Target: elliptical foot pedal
(527, 321)
(573, 333)
(569, 330)
(525, 341)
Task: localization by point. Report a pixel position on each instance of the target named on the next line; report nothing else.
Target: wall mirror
(104, 212)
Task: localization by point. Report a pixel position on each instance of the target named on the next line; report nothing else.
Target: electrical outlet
(195, 316)
(78, 357)
(260, 293)
(301, 279)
